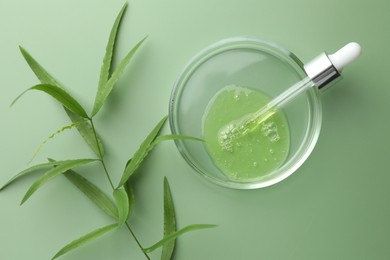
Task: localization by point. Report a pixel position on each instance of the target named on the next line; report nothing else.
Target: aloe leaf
(85, 239)
(103, 92)
(130, 194)
(30, 170)
(122, 202)
(60, 168)
(87, 133)
(61, 96)
(141, 153)
(169, 222)
(174, 235)
(38, 70)
(105, 70)
(95, 194)
(75, 124)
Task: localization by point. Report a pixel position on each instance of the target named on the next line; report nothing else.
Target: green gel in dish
(257, 148)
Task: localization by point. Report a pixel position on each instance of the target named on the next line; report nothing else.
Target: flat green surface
(336, 206)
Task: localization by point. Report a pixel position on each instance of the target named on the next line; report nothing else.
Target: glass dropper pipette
(321, 71)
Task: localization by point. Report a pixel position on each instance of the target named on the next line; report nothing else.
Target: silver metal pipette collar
(321, 71)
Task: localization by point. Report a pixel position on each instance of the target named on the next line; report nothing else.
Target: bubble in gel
(273, 136)
(270, 130)
(241, 144)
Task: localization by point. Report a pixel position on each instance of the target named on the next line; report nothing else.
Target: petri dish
(249, 62)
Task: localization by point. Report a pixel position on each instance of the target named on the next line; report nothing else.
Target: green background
(336, 206)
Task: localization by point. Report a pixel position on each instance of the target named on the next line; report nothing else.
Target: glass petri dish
(248, 62)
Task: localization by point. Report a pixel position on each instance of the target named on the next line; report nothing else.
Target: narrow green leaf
(176, 234)
(169, 222)
(86, 132)
(122, 202)
(151, 140)
(85, 239)
(141, 153)
(38, 70)
(103, 93)
(61, 96)
(59, 169)
(45, 78)
(54, 134)
(130, 194)
(105, 70)
(95, 194)
(163, 138)
(30, 170)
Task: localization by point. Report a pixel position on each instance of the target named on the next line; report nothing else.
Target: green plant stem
(112, 186)
(106, 171)
(101, 155)
(136, 240)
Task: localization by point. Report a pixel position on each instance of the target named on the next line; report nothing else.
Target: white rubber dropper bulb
(345, 55)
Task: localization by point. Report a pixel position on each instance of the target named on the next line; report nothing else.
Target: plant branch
(112, 186)
(136, 240)
(101, 154)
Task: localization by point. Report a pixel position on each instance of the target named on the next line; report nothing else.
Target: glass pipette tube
(321, 71)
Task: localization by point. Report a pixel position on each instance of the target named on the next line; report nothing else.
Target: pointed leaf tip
(176, 234)
(38, 70)
(169, 222)
(61, 96)
(28, 171)
(142, 152)
(55, 134)
(52, 173)
(106, 89)
(85, 239)
(107, 60)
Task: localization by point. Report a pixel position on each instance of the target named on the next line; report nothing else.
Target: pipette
(321, 71)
